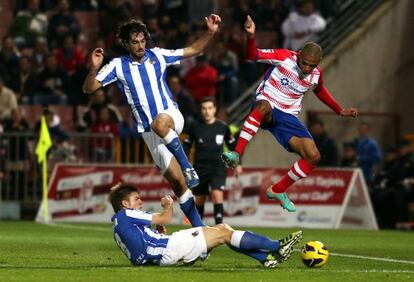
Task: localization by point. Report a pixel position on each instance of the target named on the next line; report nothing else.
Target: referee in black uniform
(209, 136)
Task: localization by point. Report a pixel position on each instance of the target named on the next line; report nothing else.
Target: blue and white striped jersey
(143, 84)
(135, 237)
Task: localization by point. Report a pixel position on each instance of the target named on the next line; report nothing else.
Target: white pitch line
(298, 250)
(69, 226)
(368, 258)
(373, 258)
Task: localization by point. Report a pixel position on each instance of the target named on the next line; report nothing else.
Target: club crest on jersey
(103, 68)
(284, 81)
(152, 62)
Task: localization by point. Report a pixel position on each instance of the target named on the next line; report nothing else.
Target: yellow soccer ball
(314, 254)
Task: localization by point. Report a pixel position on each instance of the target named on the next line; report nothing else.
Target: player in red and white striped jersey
(277, 104)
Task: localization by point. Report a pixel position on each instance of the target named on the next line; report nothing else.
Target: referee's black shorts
(211, 178)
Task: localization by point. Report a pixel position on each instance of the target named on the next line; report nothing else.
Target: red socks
(299, 170)
(250, 128)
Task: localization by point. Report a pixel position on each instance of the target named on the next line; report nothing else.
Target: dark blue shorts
(284, 126)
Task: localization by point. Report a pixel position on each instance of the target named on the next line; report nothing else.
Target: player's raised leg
(306, 148)
(261, 113)
(163, 126)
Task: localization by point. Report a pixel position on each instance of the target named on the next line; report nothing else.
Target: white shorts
(186, 245)
(159, 152)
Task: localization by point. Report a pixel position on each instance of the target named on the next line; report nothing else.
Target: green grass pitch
(86, 252)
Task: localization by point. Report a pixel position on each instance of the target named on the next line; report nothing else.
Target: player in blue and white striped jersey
(141, 77)
(144, 245)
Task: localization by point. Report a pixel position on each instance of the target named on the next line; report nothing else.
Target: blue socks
(253, 245)
(172, 142)
(189, 208)
(260, 256)
(252, 241)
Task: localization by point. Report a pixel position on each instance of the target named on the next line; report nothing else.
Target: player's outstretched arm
(164, 217)
(213, 23)
(90, 84)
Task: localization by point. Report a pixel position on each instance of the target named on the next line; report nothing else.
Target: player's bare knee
(314, 157)
(225, 232)
(158, 126)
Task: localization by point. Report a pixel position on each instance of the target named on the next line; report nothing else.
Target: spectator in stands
(149, 9)
(302, 25)
(8, 101)
(154, 29)
(29, 24)
(70, 57)
(98, 101)
(24, 81)
(101, 147)
(225, 61)
(116, 12)
(53, 84)
(349, 155)
(61, 24)
(184, 100)
(177, 10)
(387, 176)
(198, 9)
(269, 14)
(325, 144)
(17, 149)
(85, 5)
(40, 53)
(9, 58)
(57, 134)
(392, 188)
(201, 80)
(368, 151)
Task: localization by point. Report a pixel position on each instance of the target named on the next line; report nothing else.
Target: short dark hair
(209, 99)
(133, 26)
(119, 193)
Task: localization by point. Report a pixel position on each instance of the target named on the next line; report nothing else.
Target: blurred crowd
(44, 51)
(388, 172)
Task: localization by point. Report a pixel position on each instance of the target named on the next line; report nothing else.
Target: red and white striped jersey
(284, 85)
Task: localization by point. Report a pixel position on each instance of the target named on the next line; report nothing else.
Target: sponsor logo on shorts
(195, 233)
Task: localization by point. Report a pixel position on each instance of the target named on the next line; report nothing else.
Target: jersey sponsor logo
(284, 81)
(219, 139)
(289, 84)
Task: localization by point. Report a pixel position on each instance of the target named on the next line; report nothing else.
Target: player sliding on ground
(277, 106)
(144, 245)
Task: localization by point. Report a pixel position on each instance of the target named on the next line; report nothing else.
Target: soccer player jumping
(277, 106)
(141, 77)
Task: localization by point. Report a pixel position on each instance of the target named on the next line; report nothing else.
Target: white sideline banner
(327, 198)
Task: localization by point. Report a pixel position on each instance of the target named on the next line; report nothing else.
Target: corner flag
(43, 145)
